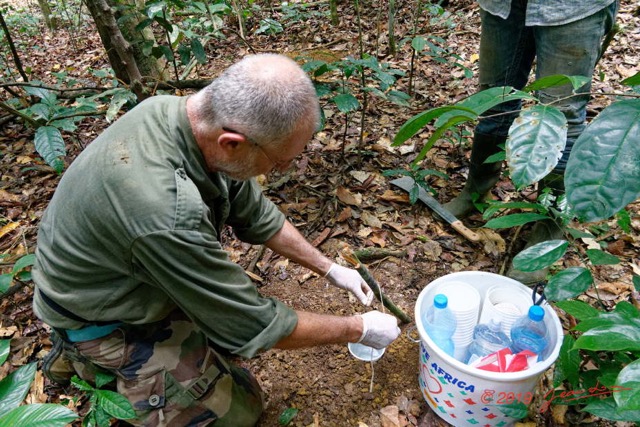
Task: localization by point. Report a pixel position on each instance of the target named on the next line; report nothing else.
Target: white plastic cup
(364, 352)
(505, 304)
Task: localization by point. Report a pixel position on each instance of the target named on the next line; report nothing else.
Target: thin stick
(352, 259)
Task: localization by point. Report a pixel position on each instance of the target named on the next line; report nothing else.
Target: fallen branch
(372, 254)
(352, 259)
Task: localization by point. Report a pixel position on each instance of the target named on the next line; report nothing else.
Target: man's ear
(229, 141)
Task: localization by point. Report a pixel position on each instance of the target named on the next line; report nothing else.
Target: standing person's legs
(173, 378)
(506, 54)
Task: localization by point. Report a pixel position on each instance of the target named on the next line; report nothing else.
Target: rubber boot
(56, 364)
(482, 176)
(542, 231)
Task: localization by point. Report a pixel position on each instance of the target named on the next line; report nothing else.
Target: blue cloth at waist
(91, 332)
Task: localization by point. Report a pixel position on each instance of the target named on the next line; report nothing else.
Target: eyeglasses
(280, 164)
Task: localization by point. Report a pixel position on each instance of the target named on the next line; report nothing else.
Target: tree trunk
(148, 66)
(51, 22)
(121, 56)
(12, 47)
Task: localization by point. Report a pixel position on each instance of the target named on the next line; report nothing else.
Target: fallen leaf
(371, 220)
(349, 198)
(8, 228)
(389, 416)
(392, 196)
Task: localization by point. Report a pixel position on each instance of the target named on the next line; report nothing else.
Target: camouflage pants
(172, 377)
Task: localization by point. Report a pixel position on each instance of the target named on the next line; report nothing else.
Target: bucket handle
(409, 333)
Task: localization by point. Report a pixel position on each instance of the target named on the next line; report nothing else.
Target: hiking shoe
(56, 365)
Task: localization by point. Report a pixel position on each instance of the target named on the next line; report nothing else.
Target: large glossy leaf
(633, 80)
(4, 350)
(536, 140)
(346, 102)
(39, 415)
(578, 309)
(514, 220)
(417, 122)
(15, 386)
(50, 146)
(629, 378)
(603, 171)
(557, 80)
(5, 282)
(485, 100)
(608, 410)
(599, 257)
(455, 120)
(23, 263)
(568, 362)
(613, 333)
(541, 255)
(568, 283)
(115, 404)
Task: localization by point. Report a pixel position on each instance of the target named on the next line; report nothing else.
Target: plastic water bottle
(530, 332)
(440, 323)
(487, 339)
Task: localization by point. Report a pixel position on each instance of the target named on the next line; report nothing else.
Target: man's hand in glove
(378, 329)
(350, 280)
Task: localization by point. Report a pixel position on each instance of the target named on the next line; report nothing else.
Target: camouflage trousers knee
(171, 376)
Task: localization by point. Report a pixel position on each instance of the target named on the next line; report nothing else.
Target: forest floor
(335, 194)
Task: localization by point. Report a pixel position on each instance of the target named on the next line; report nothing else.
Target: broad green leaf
(346, 102)
(603, 171)
(623, 335)
(557, 80)
(485, 100)
(541, 255)
(636, 283)
(81, 384)
(608, 319)
(629, 378)
(578, 309)
(67, 125)
(48, 96)
(536, 140)
(5, 282)
(418, 43)
(515, 410)
(117, 101)
(287, 416)
(495, 207)
(607, 409)
(568, 283)
(514, 220)
(198, 51)
(50, 146)
(398, 97)
(453, 121)
(103, 378)
(568, 363)
(628, 310)
(633, 80)
(23, 263)
(115, 404)
(417, 122)
(599, 257)
(4, 350)
(15, 386)
(39, 415)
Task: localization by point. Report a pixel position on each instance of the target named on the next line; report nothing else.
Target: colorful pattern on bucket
(457, 400)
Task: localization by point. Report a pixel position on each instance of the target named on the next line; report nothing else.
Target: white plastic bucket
(466, 396)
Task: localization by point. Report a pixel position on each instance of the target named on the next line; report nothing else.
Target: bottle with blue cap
(487, 339)
(440, 323)
(530, 332)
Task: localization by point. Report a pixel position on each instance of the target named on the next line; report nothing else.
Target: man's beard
(240, 170)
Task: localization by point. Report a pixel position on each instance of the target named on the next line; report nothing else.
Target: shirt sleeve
(254, 218)
(196, 273)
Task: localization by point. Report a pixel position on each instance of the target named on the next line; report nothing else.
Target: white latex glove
(350, 280)
(379, 329)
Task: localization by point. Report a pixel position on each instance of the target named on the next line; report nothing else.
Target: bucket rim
(537, 370)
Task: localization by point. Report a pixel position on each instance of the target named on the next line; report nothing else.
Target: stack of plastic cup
(464, 301)
(364, 352)
(505, 304)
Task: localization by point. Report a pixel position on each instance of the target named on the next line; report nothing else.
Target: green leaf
(629, 378)
(81, 384)
(398, 98)
(346, 102)
(514, 220)
(633, 80)
(485, 100)
(5, 282)
(115, 404)
(516, 410)
(453, 121)
(603, 171)
(536, 140)
(636, 282)
(23, 263)
(418, 43)
(198, 51)
(611, 332)
(599, 257)
(568, 362)
(67, 125)
(496, 207)
(417, 122)
(48, 96)
(568, 283)
(4, 350)
(103, 378)
(607, 409)
(287, 416)
(50, 146)
(578, 309)
(39, 415)
(541, 255)
(557, 80)
(15, 386)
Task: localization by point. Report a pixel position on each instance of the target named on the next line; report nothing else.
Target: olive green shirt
(133, 232)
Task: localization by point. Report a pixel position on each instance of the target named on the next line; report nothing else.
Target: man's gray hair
(263, 96)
